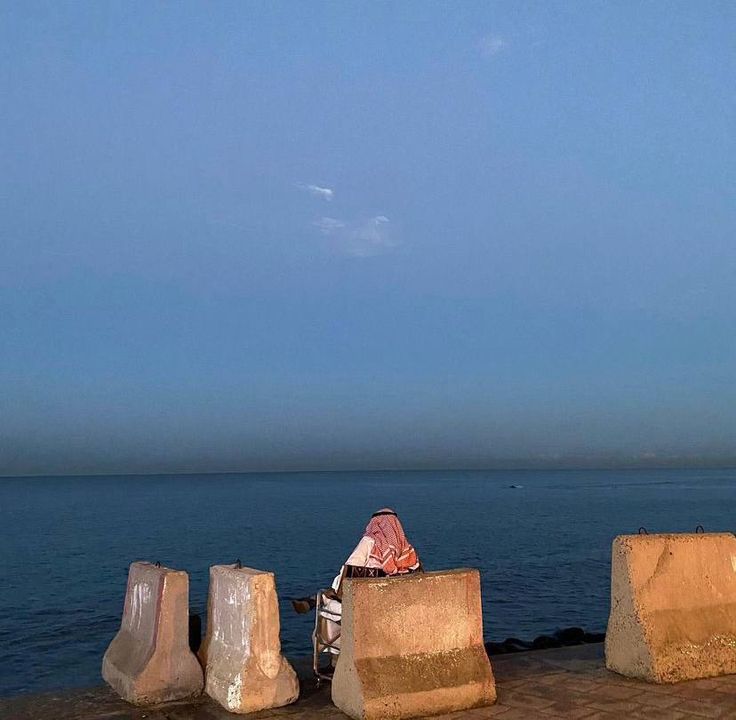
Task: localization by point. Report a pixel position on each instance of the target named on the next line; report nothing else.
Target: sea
(541, 540)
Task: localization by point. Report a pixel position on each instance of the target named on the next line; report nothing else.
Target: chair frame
(319, 644)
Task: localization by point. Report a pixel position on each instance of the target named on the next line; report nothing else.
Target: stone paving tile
(707, 683)
(545, 692)
(200, 712)
(520, 714)
(497, 709)
(617, 692)
(571, 711)
(652, 713)
(475, 714)
(728, 681)
(622, 707)
(579, 684)
(525, 700)
(658, 700)
(709, 696)
(573, 699)
(551, 678)
(570, 684)
(513, 684)
(702, 709)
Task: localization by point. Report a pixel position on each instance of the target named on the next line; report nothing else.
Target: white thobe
(331, 608)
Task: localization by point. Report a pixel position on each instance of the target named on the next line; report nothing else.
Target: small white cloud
(372, 237)
(329, 225)
(492, 45)
(318, 191)
(362, 239)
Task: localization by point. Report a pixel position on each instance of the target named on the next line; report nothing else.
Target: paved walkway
(566, 683)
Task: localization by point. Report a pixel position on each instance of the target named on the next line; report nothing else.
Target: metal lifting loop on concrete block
(238, 564)
(700, 529)
(158, 563)
(643, 531)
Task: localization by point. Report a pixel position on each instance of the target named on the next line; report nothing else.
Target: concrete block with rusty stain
(412, 646)
(673, 606)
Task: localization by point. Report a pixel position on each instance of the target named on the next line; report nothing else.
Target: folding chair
(326, 635)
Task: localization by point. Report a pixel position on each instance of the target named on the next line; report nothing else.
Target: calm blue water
(543, 549)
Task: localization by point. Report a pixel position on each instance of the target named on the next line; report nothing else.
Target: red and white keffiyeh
(391, 549)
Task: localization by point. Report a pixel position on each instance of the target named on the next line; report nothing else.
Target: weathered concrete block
(673, 607)
(412, 646)
(149, 660)
(245, 669)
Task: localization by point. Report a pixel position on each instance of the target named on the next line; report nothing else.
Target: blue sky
(278, 235)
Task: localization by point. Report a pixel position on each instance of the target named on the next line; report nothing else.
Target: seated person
(383, 551)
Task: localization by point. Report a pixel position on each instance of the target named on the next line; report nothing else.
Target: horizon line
(730, 465)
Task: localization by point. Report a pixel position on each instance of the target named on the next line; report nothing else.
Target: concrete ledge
(245, 670)
(412, 646)
(149, 660)
(673, 607)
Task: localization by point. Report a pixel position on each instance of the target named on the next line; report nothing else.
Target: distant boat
(516, 487)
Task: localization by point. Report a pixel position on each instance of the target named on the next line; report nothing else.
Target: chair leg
(320, 644)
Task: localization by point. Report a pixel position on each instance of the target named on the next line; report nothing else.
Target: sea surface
(541, 540)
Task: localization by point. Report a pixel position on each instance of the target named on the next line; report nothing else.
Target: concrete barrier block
(412, 646)
(149, 660)
(245, 669)
(673, 607)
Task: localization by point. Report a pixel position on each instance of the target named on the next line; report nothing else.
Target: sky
(277, 235)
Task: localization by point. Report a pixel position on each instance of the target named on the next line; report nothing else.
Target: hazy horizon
(269, 235)
(580, 464)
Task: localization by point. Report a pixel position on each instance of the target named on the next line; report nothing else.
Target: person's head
(384, 520)
(391, 547)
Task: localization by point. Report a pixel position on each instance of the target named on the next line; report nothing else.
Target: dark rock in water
(509, 645)
(594, 637)
(561, 638)
(195, 632)
(516, 645)
(571, 636)
(545, 642)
